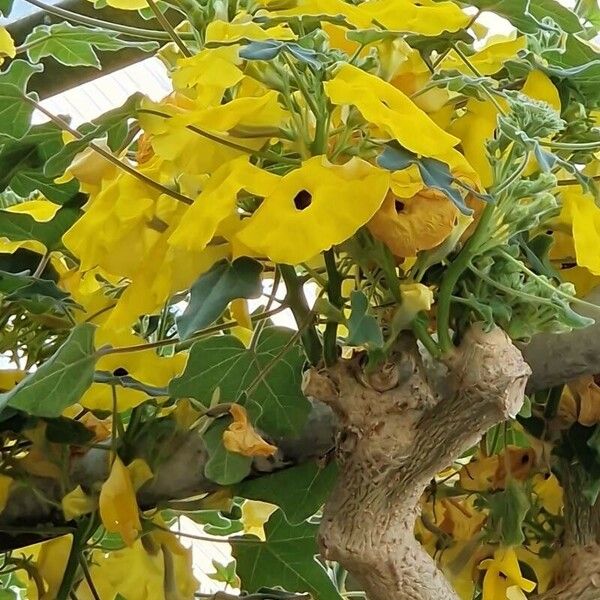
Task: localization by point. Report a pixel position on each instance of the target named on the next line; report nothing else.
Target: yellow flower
(474, 129)
(77, 503)
(490, 59)
(408, 225)
(118, 504)
(545, 569)
(145, 366)
(136, 574)
(7, 45)
(580, 211)
(241, 437)
(210, 72)
(5, 487)
(9, 378)
(218, 201)
(582, 400)
(547, 488)
(254, 516)
(503, 579)
(49, 558)
(424, 17)
(89, 168)
(461, 520)
(222, 31)
(415, 298)
(386, 107)
(540, 87)
(313, 208)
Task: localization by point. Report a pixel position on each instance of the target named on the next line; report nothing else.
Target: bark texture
(397, 430)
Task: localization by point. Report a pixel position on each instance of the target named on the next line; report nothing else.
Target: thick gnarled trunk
(398, 429)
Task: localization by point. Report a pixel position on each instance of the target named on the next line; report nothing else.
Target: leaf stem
(452, 275)
(304, 317)
(169, 28)
(150, 34)
(334, 293)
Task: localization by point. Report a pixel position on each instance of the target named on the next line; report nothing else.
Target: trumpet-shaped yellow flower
(490, 59)
(408, 225)
(313, 208)
(417, 16)
(118, 504)
(210, 73)
(386, 107)
(540, 87)
(242, 438)
(503, 579)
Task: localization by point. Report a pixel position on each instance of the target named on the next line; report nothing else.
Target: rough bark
(397, 430)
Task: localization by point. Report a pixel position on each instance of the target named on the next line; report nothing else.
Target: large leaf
(224, 467)
(6, 7)
(286, 559)
(75, 45)
(112, 124)
(34, 294)
(508, 510)
(19, 227)
(215, 289)
(15, 111)
(299, 491)
(531, 16)
(59, 382)
(22, 164)
(268, 377)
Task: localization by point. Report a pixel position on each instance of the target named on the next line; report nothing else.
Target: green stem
(453, 273)
(567, 146)
(419, 327)
(149, 34)
(334, 292)
(296, 300)
(164, 22)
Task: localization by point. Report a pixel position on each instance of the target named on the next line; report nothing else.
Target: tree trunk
(398, 429)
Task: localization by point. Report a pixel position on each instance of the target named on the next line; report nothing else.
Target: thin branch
(169, 28)
(107, 155)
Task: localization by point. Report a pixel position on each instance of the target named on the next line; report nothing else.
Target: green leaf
(508, 510)
(59, 382)
(286, 559)
(22, 164)
(19, 227)
(112, 124)
(215, 523)
(275, 403)
(6, 7)
(476, 87)
(68, 431)
(299, 491)
(15, 111)
(214, 290)
(34, 294)
(75, 45)
(363, 329)
(224, 467)
(225, 573)
(531, 16)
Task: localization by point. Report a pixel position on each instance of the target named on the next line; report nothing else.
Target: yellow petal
(417, 16)
(550, 494)
(77, 503)
(254, 516)
(299, 218)
(385, 106)
(139, 472)
(222, 31)
(9, 378)
(118, 504)
(241, 437)
(327, 8)
(5, 486)
(40, 210)
(7, 44)
(540, 87)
